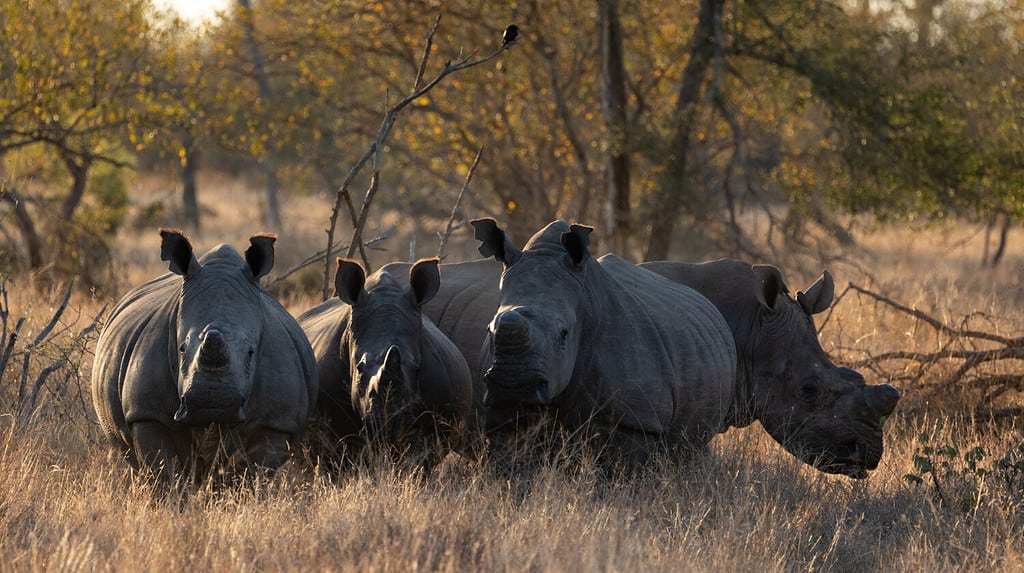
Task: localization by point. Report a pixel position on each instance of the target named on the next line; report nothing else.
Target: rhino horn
(881, 399)
(213, 354)
(392, 368)
(510, 330)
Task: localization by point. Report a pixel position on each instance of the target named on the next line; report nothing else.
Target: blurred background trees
(680, 129)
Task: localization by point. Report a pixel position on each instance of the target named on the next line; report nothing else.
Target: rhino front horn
(882, 399)
(214, 352)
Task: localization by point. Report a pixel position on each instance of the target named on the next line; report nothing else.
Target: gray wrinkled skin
(203, 362)
(825, 415)
(387, 374)
(464, 304)
(603, 341)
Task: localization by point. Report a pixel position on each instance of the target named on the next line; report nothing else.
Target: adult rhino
(387, 374)
(605, 344)
(204, 348)
(823, 414)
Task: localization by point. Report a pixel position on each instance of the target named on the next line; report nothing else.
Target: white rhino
(825, 415)
(603, 343)
(387, 374)
(204, 360)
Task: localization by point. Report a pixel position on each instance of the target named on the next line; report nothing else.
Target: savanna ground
(67, 504)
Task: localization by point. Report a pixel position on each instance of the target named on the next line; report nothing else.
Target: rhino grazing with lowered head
(824, 414)
(202, 354)
(605, 344)
(388, 376)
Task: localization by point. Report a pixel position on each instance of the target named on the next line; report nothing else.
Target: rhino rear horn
(819, 296)
(174, 247)
(424, 280)
(576, 241)
(494, 242)
(349, 281)
(260, 254)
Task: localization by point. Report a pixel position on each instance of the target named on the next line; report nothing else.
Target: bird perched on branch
(510, 35)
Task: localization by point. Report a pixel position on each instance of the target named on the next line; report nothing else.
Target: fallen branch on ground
(967, 351)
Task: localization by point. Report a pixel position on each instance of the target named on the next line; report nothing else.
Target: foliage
(967, 476)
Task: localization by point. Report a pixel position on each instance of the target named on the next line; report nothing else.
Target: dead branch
(960, 349)
(375, 148)
(317, 257)
(938, 325)
(451, 226)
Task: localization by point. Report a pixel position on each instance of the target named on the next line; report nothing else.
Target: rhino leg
(160, 450)
(627, 451)
(267, 448)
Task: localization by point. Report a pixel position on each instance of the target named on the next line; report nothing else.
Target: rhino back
(668, 353)
(133, 377)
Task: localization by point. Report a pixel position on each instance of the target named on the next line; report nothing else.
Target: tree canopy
(658, 119)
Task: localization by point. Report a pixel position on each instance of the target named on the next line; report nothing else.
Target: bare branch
(441, 249)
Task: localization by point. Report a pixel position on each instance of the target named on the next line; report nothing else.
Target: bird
(510, 35)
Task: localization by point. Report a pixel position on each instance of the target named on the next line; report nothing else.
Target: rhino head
(219, 326)
(824, 414)
(383, 336)
(534, 338)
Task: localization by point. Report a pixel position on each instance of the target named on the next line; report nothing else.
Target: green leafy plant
(969, 476)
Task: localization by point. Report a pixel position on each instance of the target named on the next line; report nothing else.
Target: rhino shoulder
(135, 346)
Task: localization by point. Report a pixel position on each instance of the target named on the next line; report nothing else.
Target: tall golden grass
(68, 504)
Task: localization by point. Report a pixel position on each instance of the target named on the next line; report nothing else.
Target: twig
(343, 195)
(388, 122)
(441, 249)
(317, 257)
(959, 332)
(40, 338)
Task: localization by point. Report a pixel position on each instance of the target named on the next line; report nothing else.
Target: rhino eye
(360, 366)
(181, 348)
(809, 391)
(564, 334)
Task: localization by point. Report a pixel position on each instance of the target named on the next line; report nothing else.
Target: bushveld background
(879, 140)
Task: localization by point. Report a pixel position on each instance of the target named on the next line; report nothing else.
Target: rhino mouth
(506, 388)
(852, 460)
(202, 408)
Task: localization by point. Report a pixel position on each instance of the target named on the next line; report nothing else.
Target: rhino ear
(769, 285)
(819, 295)
(260, 254)
(349, 281)
(424, 280)
(494, 242)
(174, 247)
(575, 242)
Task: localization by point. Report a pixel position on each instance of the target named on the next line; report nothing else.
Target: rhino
(203, 361)
(387, 374)
(602, 344)
(824, 414)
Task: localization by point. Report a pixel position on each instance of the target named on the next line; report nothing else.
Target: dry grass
(67, 505)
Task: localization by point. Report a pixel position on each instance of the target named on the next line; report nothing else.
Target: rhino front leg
(268, 448)
(160, 450)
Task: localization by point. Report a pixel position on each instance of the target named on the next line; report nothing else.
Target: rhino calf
(204, 360)
(388, 376)
(822, 413)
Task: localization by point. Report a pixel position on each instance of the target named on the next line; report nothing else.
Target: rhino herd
(202, 367)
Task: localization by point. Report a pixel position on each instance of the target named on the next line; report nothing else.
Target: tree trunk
(33, 244)
(272, 213)
(79, 171)
(190, 202)
(673, 189)
(613, 103)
